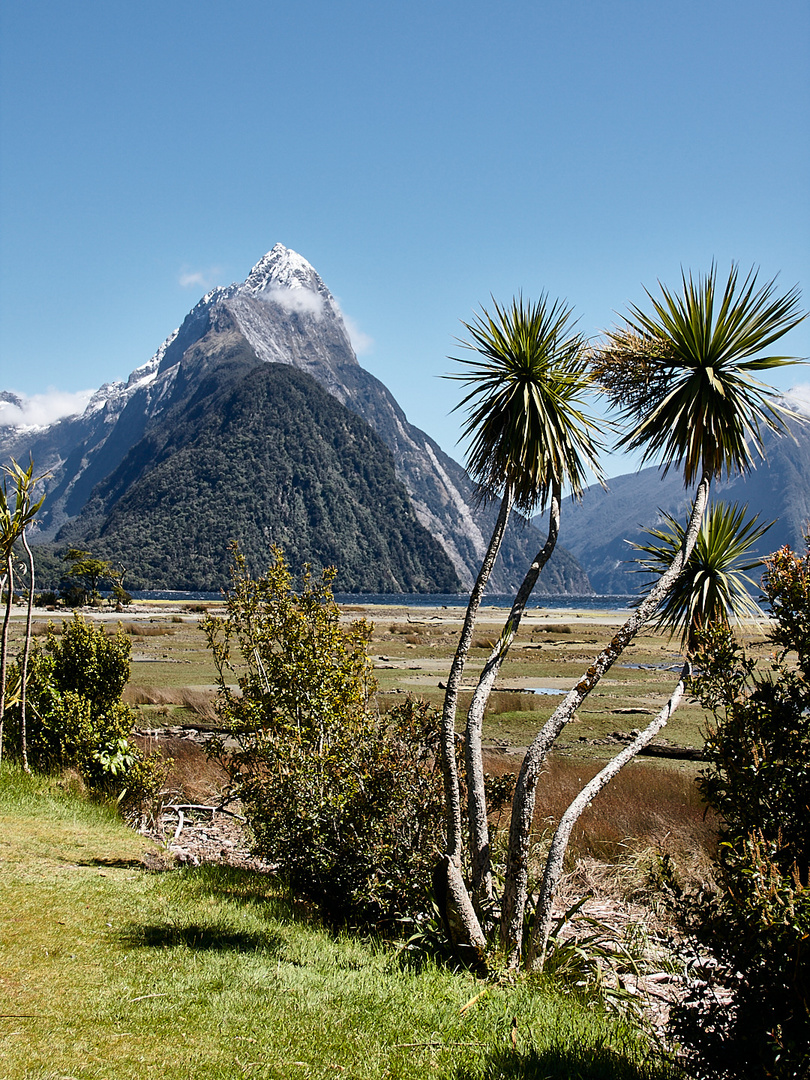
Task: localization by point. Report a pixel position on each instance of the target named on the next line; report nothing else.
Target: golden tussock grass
(648, 805)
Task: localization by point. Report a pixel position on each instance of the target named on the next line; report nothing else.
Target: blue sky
(421, 156)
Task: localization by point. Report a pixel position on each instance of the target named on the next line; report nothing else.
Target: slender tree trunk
(449, 769)
(26, 651)
(517, 869)
(559, 845)
(4, 646)
(460, 919)
(476, 798)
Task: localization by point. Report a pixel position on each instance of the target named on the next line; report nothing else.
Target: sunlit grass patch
(112, 970)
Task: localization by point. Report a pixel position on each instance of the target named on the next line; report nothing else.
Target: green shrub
(347, 804)
(90, 662)
(749, 1014)
(77, 720)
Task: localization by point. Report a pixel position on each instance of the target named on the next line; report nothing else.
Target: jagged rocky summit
(254, 421)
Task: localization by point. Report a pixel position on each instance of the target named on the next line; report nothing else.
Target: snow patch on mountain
(284, 269)
(282, 278)
(114, 396)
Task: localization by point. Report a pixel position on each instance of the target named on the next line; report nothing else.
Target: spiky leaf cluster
(683, 374)
(715, 583)
(525, 414)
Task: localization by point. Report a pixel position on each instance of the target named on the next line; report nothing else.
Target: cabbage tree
(713, 589)
(683, 375)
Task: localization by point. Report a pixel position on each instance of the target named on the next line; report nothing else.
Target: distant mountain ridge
(601, 529)
(283, 314)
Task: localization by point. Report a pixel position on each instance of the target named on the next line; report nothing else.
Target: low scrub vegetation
(199, 703)
(749, 1012)
(77, 719)
(141, 629)
(650, 805)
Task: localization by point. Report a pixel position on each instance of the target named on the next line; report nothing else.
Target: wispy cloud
(799, 397)
(201, 279)
(39, 410)
(306, 301)
(361, 342)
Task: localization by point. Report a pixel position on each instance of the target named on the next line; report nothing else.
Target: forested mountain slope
(269, 457)
(283, 314)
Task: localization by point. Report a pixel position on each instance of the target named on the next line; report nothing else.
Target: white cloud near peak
(303, 301)
(202, 279)
(799, 398)
(39, 410)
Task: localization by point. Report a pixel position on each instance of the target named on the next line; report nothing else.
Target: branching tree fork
(530, 436)
(683, 378)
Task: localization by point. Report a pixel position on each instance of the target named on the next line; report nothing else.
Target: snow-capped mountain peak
(283, 268)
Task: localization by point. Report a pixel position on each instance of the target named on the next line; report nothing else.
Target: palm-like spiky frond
(525, 407)
(683, 373)
(714, 584)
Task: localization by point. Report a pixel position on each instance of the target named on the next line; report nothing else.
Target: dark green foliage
(88, 572)
(268, 457)
(76, 718)
(715, 585)
(758, 924)
(526, 385)
(347, 804)
(684, 374)
(88, 661)
(50, 565)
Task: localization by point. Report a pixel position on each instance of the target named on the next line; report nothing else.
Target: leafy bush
(89, 661)
(77, 720)
(749, 1015)
(347, 804)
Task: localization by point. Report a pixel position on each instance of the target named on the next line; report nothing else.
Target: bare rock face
(282, 314)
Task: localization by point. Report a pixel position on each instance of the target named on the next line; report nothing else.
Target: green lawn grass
(112, 970)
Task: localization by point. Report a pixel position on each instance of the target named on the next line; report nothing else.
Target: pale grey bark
(559, 845)
(517, 869)
(449, 768)
(9, 577)
(26, 652)
(462, 922)
(476, 798)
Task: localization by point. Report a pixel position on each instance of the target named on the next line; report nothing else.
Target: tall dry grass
(199, 702)
(649, 805)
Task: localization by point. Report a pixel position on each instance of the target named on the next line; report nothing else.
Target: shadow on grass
(203, 938)
(246, 887)
(565, 1064)
(114, 864)
(238, 888)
